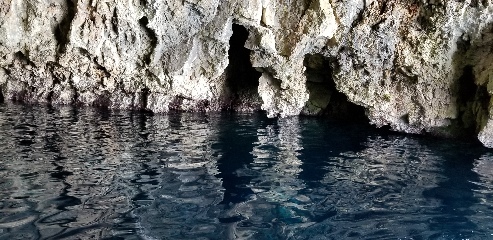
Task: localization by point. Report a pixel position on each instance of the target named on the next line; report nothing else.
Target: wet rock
(404, 62)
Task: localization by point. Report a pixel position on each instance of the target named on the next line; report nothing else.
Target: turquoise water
(93, 174)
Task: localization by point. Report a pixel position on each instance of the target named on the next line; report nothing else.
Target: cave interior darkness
(242, 79)
(324, 94)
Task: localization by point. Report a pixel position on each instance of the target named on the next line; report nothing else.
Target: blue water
(93, 174)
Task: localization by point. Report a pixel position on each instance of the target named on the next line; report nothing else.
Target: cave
(467, 87)
(241, 78)
(472, 102)
(324, 98)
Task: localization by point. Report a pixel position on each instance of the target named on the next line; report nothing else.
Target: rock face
(418, 66)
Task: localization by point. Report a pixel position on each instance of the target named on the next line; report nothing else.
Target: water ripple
(93, 174)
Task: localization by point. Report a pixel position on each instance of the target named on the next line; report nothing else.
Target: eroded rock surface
(418, 66)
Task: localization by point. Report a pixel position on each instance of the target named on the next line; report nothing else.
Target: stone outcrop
(418, 66)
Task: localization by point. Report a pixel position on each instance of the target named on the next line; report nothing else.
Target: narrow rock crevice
(306, 6)
(143, 22)
(143, 98)
(49, 98)
(2, 98)
(241, 78)
(62, 31)
(359, 17)
(383, 7)
(324, 99)
(76, 94)
(114, 21)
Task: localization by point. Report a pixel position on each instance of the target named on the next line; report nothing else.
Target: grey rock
(416, 66)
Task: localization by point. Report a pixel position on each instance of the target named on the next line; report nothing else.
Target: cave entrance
(325, 99)
(241, 78)
(472, 102)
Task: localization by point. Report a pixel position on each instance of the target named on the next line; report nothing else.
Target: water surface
(93, 174)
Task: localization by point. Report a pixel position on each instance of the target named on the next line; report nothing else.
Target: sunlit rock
(416, 66)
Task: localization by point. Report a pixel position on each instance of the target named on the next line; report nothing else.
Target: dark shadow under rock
(241, 77)
(325, 100)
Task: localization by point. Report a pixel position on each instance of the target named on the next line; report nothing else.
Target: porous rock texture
(418, 66)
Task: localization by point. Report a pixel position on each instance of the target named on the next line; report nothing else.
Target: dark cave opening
(467, 87)
(241, 78)
(472, 101)
(325, 100)
(61, 32)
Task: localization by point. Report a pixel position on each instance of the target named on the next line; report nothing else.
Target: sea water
(68, 173)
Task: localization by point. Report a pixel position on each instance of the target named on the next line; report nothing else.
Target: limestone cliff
(419, 66)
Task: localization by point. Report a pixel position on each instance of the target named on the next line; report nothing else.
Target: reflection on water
(94, 174)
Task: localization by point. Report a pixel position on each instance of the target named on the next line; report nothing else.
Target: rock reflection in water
(58, 173)
(80, 174)
(185, 204)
